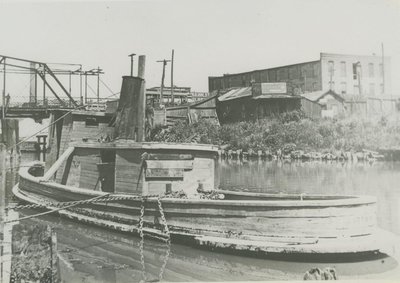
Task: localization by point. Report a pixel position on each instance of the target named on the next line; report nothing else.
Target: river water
(90, 254)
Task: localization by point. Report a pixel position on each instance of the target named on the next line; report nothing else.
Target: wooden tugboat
(121, 175)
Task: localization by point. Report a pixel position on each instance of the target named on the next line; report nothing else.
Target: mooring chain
(168, 240)
(141, 244)
(78, 202)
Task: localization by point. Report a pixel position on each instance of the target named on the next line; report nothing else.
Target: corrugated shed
(270, 96)
(236, 93)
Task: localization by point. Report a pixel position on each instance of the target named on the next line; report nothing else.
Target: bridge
(33, 89)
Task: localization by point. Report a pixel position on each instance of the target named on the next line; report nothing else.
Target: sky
(210, 38)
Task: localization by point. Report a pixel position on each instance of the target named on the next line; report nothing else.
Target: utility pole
(80, 84)
(44, 86)
(70, 85)
(3, 113)
(98, 86)
(85, 87)
(172, 77)
(131, 55)
(162, 78)
(383, 70)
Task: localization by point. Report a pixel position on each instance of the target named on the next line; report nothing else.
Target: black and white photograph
(199, 141)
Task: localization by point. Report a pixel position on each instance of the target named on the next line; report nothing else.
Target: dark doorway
(107, 170)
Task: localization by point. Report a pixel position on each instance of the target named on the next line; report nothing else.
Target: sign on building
(269, 88)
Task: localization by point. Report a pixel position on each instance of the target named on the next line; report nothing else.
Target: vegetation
(289, 129)
(31, 254)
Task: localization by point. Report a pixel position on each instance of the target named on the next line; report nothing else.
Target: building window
(381, 69)
(314, 86)
(332, 85)
(316, 70)
(343, 87)
(294, 73)
(356, 70)
(371, 70)
(282, 74)
(343, 71)
(356, 90)
(371, 89)
(331, 68)
(381, 89)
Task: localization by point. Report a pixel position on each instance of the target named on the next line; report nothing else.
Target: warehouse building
(344, 74)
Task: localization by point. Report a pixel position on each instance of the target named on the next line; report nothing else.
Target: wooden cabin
(141, 168)
(319, 104)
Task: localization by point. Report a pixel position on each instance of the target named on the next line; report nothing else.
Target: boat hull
(243, 223)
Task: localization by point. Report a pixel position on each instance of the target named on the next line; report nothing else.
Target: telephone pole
(383, 71)
(164, 61)
(172, 77)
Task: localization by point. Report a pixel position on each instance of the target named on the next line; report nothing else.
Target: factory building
(347, 75)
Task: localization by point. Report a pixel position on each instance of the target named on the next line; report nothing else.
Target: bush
(289, 128)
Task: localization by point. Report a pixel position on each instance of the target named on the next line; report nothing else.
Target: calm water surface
(90, 254)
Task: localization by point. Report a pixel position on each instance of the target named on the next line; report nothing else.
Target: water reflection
(90, 254)
(378, 179)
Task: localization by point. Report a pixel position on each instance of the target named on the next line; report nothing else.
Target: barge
(181, 178)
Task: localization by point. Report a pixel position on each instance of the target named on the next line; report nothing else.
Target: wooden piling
(10, 138)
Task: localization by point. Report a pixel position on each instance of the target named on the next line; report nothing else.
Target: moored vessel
(170, 192)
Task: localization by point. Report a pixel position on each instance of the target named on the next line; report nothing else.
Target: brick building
(344, 74)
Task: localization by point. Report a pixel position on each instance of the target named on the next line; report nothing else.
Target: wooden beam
(53, 169)
(51, 89)
(60, 84)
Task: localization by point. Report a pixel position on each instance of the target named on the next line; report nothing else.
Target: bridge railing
(23, 102)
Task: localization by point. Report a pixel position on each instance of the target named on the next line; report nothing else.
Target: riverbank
(293, 135)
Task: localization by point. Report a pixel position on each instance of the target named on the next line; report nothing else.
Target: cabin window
(91, 122)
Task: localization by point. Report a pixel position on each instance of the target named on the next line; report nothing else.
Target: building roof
(236, 93)
(269, 96)
(315, 96)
